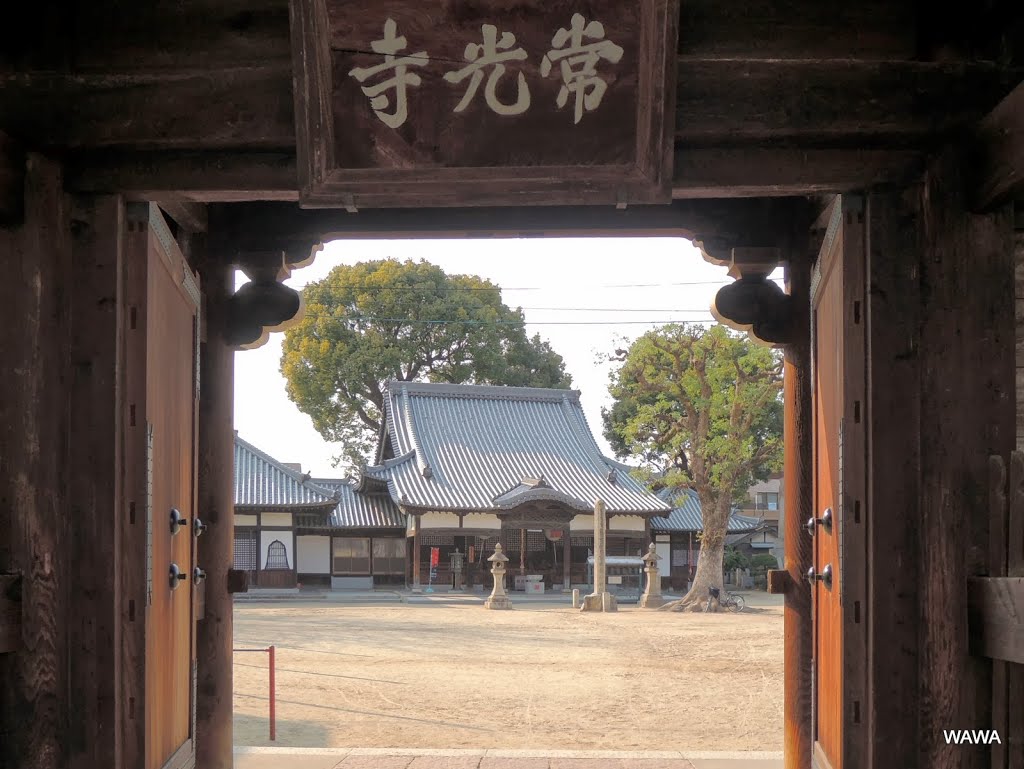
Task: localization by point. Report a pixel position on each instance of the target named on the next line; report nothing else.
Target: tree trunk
(709, 561)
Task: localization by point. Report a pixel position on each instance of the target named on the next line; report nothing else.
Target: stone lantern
(498, 598)
(652, 598)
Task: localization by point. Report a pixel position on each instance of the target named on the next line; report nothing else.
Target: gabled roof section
(686, 515)
(262, 481)
(361, 511)
(485, 448)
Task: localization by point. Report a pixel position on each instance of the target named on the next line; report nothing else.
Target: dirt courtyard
(538, 677)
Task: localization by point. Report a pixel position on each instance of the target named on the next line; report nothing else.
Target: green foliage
(762, 562)
(759, 566)
(702, 408)
(375, 321)
(734, 559)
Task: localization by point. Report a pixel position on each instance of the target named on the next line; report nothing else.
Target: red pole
(273, 696)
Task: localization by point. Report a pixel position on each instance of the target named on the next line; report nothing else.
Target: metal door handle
(177, 521)
(825, 521)
(198, 575)
(825, 577)
(176, 575)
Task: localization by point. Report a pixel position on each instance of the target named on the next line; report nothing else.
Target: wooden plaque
(484, 102)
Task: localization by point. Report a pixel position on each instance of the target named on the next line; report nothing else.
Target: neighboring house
(766, 503)
(676, 540)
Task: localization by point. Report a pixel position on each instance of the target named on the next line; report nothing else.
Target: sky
(585, 296)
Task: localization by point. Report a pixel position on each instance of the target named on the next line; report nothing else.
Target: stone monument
(600, 599)
(499, 598)
(652, 598)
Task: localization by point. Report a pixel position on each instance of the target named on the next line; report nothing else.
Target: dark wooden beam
(999, 161)
(190, 216)
(996, 617)
(209, 177)
(12, 180)
(224, 177)
(850, 103)
(760, 171)
(718, 224)
(242, 107)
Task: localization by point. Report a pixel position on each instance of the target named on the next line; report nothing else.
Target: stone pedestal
(652, 597)
(499, 598)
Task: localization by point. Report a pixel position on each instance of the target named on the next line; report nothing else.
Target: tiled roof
(471, 447)
(262, 481)
(361, 511)
(686, 516)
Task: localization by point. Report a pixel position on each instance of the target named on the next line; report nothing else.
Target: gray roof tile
(471, 447)
(262, 481)
(361, 511)
(687, 515)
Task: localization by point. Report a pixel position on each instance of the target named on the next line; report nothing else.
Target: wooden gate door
(837, 290)
(171, 319)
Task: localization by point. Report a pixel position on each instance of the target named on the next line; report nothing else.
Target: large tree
(702, 408)
(375, 321)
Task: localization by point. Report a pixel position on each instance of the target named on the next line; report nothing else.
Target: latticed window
(246, 551)
(351, 555)
(388, 555)
(436, 540)
(277, 556)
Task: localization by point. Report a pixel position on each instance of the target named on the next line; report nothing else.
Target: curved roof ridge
(410, 425)
(508, 392)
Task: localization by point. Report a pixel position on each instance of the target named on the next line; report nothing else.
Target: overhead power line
(357, 287)
(475, 322)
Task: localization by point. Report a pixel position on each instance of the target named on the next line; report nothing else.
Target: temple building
(472, 465)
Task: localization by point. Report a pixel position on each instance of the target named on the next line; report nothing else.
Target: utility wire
(473, 322)
(526, 288)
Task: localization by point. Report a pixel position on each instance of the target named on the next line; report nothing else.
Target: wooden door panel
(829, 379)
(171, 323)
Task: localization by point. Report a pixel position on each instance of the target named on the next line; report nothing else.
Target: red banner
(435, 556)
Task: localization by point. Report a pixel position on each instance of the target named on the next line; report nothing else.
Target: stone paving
(357, 758)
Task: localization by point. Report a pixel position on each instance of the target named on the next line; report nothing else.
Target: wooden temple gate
(876, 149)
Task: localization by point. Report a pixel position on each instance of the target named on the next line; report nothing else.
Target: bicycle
(731, 601)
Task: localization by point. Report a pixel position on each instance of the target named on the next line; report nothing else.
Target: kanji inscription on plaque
(482, 103)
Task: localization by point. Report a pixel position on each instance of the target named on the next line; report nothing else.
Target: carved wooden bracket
(753, 303)
(265, 304)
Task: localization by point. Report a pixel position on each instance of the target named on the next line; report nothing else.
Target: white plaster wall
(314, 555)
(439, 521)
(275, 519)
(482, 521)
(582, 523)
(286, 537)
(664, 549)
(619, 523)
(245, 520)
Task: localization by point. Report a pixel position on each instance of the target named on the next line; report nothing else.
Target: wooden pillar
(798, 480)
(416, 555)
(34, 421)
(522, 551)
(214, 640)
(566, 559)
(97, 513)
